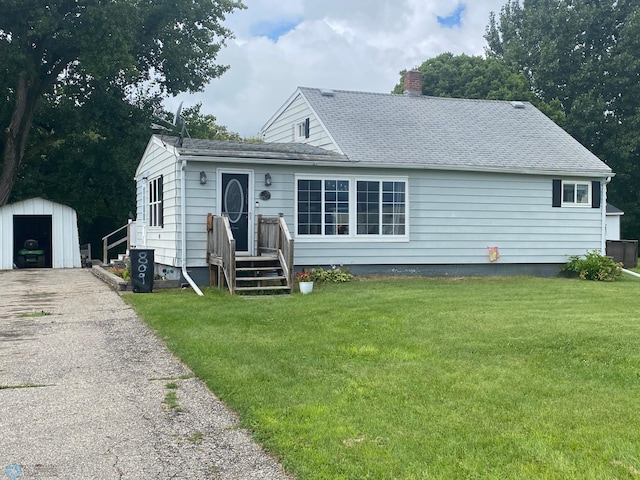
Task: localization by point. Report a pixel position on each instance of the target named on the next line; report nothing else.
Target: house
(39, 233)
(614, 215)
(384, 183)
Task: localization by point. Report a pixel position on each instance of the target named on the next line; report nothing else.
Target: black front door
(235, 204)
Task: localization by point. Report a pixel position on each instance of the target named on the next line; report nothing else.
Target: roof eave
(259, 157)
(485, 169)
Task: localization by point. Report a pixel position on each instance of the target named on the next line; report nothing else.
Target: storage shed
(53, 226)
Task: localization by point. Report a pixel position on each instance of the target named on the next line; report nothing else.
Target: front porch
(270, 271)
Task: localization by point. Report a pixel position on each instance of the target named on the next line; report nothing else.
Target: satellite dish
(177, 116)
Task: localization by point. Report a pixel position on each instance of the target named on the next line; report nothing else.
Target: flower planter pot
(305, 287)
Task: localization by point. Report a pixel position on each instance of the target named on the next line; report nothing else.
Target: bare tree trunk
(17, 134)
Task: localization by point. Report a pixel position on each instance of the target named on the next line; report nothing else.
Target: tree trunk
(17, 134)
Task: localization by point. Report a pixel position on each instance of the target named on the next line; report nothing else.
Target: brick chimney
(413, 83)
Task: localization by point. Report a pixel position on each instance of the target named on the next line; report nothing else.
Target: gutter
(183, 227)
(309, 160)
(603, 215)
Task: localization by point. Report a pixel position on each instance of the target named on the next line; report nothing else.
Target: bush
(593, 267)
(334, 275)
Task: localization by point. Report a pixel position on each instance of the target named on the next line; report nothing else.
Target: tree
(204, 126)
(584, 55)
(91, 168)
(463, 76)
(69, 49)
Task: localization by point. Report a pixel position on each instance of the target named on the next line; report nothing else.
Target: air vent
(518, 105)
(327, 93)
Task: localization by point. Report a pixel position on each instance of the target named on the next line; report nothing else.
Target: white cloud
(354, 45)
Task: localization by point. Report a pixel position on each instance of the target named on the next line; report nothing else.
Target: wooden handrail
(286, 249)
(273, 240)
(221, 248)
(106, 246)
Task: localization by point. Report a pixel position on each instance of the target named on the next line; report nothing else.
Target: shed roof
(613, 210)
(449, 133)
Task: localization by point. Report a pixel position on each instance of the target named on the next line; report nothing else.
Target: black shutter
(306, 128)
(595, 194)
(161, 202)
(557, 193)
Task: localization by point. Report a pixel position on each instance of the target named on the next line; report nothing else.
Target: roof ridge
(400, 95)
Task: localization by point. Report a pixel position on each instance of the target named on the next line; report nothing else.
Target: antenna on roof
(179, 120)
(177, 116)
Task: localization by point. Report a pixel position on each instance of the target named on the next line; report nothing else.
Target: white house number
(143, 262)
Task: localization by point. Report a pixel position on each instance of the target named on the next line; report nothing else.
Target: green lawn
(414, 378)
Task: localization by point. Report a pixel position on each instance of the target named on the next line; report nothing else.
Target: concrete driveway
(84, 392)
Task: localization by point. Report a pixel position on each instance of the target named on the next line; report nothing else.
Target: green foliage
(204, 126)
(122, 272)
(463, 76)
(585, 57)
(414, 378)
(59, 61)
(593, 266)
(333, 275)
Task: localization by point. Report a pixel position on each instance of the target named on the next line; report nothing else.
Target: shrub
(593, 266)
(334, 275)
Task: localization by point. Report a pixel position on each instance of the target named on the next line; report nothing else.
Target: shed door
(32, 245)
(235, 204)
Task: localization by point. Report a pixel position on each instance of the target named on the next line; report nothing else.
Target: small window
(301, 131)
(576, 193)
(156, 203)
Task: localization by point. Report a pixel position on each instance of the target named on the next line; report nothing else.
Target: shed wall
(64, 235)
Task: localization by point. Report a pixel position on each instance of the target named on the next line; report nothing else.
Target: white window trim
(299, 130)
(152, 186)
(577, 182)
(352, 236)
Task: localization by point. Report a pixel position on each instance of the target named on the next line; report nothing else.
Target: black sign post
(142, 270)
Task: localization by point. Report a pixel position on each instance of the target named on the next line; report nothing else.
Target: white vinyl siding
(456, 216)
(280, 129)
(156, 205)
(159, 161)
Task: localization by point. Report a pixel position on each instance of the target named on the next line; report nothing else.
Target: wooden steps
(260, 274)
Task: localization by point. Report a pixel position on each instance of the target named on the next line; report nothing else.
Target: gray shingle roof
(254, 149)
(448, 132)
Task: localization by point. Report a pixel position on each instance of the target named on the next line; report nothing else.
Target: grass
(171, 398)
(41, 313)
(487, 378)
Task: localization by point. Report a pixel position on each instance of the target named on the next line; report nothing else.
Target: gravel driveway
(85, 392)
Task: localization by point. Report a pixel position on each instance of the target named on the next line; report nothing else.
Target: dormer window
(301, 131)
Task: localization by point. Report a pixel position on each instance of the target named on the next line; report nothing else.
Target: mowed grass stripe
(424, 378)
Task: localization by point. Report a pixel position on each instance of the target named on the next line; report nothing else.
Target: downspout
(603, 214)
(183, 227)
(631, 273)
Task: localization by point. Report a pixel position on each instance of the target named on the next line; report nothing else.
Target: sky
(359, 45)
